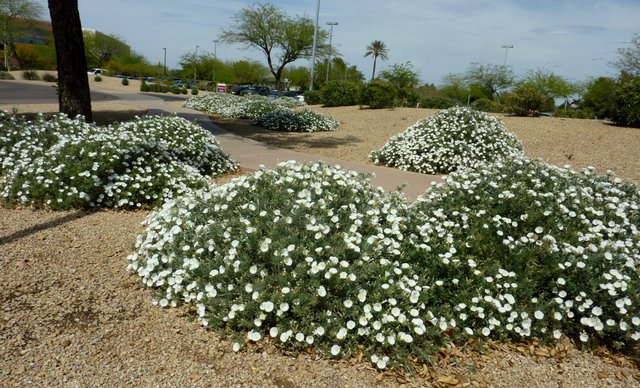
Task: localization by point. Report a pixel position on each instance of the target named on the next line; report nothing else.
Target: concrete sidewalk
(251, 154)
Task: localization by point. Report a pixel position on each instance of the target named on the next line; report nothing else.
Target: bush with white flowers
(449, 140)
(525, 249)
(67, 163)
(307, 254)
(304, 120)
(273, 114)
(313, 256)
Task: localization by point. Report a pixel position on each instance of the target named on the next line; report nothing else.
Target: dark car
(251, 90)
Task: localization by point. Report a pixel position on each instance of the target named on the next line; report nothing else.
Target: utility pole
(195, 66)
(215, 58)
(330, 47)
(164, 66)
(315, 45)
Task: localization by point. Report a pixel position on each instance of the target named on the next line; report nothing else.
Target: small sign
(221, 88)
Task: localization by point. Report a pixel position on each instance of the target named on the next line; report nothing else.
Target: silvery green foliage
(240, 107)
(312, 256)
(304, 120)
(535, 251)
(272, 114)
(67, 163)
(451, 139)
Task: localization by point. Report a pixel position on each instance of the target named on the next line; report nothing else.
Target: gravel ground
(71, 315)
(579, 143)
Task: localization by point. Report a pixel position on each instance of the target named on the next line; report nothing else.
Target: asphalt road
(21, 93)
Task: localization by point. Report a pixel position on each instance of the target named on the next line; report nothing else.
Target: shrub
(48, 77)
(65, 163)
(378, 94)
(574, 113)
(487, 105)
(194, 91)
(305, 254)
(340, 93)
(526, 100)
(6, 75)
(524, 249)
(183, 90)
(30, 75)
(625, 107)
(125, 81)
(451, 139)
(176, 90)
(313, 97)
(314, 257)
(304, 120)
(97, 78)
(143, 86)
(435, 102)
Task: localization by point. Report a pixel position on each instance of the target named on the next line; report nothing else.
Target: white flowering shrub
(307, 254)
(273, 114)
(524, 249)
(313, 256)
(449, 140)
(238, 107)
(67, 163)
(304, 120)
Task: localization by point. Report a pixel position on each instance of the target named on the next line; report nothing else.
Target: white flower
(273, 332)
(341, 333)
(236, 347)
(335, 350)
(322, 291)
(584, 337)
(486, 331)
(348, 303)
(266, 306)
(557, 334)
(254, 336)
(538, 314)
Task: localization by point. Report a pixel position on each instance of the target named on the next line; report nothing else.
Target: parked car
(96, 71)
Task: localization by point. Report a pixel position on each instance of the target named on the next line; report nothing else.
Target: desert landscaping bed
(73, 315)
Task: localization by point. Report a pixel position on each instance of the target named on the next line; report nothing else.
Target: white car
(96, 71)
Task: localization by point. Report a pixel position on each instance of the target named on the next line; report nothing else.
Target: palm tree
(377, 48)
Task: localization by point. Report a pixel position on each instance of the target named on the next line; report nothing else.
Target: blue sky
(573, 38)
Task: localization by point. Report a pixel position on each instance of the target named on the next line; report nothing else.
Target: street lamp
(315, 44)
(469, 95)
(506, 48)
(195, 65)
(330, 47)
(164, 67)
(215, 58)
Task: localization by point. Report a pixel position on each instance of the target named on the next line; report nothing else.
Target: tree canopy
(491, 79)
(283, 39)
(629, 61)
(376, 49)
(14, 17)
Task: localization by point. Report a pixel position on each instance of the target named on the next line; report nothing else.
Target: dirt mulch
(559, 141)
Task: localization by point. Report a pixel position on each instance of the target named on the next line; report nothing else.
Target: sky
(576, 39)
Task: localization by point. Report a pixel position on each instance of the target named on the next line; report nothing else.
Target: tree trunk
(73, 84)
(373, 74)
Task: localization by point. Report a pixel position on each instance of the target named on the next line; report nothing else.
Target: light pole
(215, 58)
(315, 44)
(195, 65)
(164, 65)
(330, 47)
(469, 95)
(506, 48)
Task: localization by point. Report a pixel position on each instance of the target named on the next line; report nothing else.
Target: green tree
(491, 79)
(283, 39)
(551, 85)
(298, 77)
(15, 16)
(629, 61)
(376, 49)
(73, 84)
(405, 78)
(101, 48)
(625, 107)
(599, 95)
